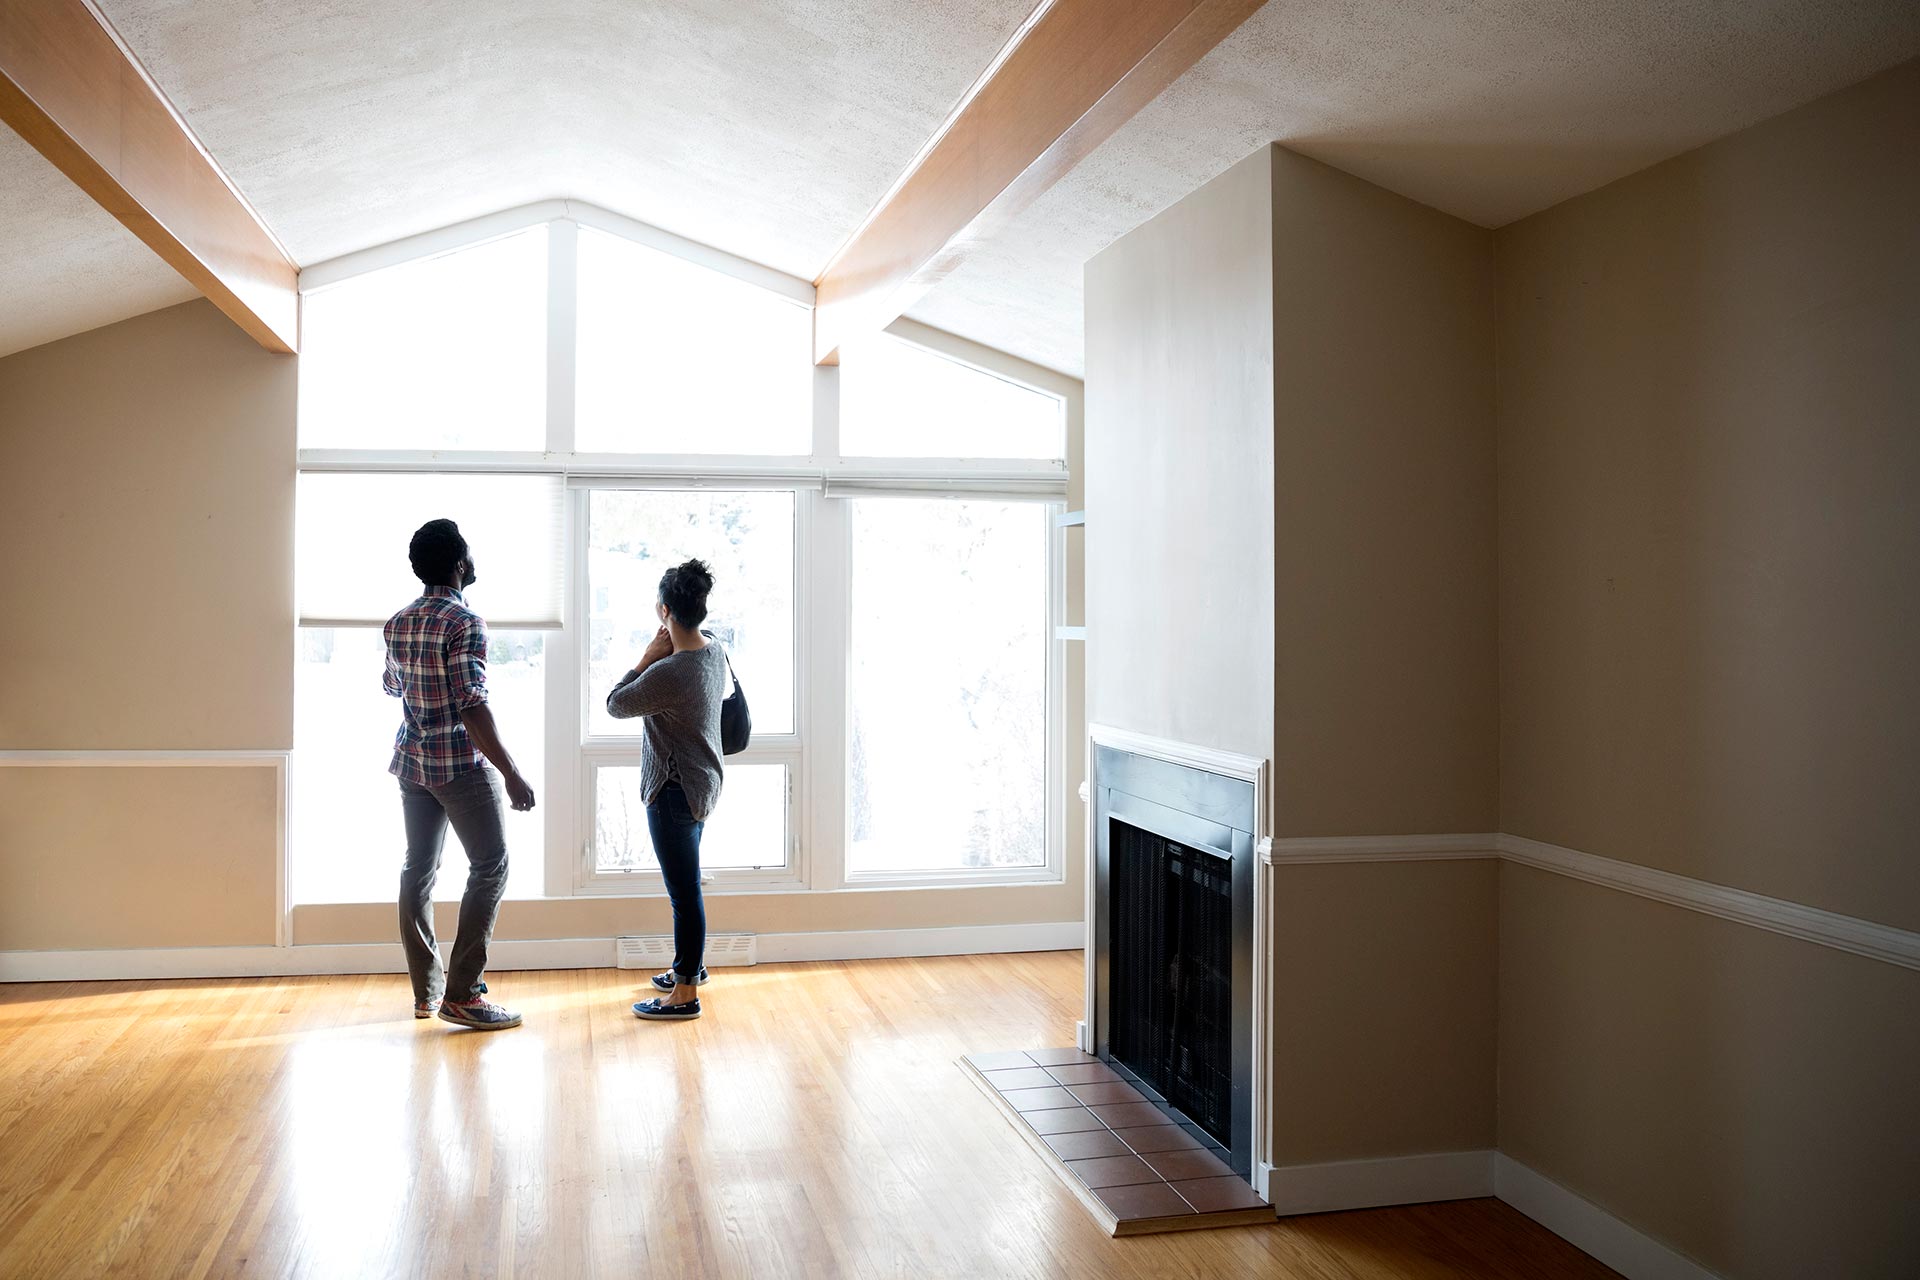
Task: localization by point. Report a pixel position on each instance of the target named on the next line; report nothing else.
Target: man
(437, 667)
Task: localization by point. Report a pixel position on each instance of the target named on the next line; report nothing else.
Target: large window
(633, 536)
(592, 410)
(949, 686)
(900, 400)
(445, 353)
(346, 836)
(675, 359)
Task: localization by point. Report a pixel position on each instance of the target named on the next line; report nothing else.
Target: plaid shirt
(437, 667)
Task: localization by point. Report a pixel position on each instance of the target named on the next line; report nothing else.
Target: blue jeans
(676, 844)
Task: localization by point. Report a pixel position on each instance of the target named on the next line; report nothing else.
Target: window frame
(816, 753)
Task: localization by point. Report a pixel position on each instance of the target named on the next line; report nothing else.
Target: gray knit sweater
(679, 697)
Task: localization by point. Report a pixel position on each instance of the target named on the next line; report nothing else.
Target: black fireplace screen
(1171, 976)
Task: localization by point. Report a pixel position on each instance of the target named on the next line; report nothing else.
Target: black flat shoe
(664, 981)
(661, 1011)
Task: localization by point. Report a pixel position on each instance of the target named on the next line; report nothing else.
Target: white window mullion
(563, 251)
(829, 604)
(566, 679)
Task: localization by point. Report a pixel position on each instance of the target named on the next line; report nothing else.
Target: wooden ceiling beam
(69, 88)
(1073, 74)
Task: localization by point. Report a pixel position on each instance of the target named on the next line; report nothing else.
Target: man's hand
(658, 648)
(519, 794)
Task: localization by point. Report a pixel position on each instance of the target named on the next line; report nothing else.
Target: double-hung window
(594, 401)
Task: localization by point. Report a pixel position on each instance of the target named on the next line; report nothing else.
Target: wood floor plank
(812, 1123)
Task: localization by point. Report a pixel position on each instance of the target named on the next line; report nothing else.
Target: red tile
(1127, 1114)
(999, 1061)
(1181, 1166)
(1160, 1137)
(1023, 1078)
(1144, 1200)
(1065, 1120)
(1112, 1171)
(1085, 1146)
(1112, 1091)
(1083, 1073)
(1059, 1057)
(1039, 1099)
(1213, 1195)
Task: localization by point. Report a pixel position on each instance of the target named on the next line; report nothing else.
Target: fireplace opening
(1173, 948)
(1171, 940)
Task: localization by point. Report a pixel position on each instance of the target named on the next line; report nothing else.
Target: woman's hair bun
(684, 588)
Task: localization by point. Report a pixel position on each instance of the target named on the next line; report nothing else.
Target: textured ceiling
(764, 127)
(1489, 110)
(65, 265)
(769, 127)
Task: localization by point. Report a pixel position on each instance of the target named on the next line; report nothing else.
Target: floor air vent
(655, 951)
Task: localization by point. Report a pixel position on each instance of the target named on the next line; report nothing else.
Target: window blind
(353, 529)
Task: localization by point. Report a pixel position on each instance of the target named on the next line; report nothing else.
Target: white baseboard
(1579, 1221)
(510, 954)
(1369, 1184)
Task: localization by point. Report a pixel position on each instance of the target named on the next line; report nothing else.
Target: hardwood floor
(812, 1123)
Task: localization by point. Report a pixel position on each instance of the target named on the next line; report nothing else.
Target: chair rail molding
(1852, 934)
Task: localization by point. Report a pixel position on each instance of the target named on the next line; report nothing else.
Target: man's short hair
(436, 547)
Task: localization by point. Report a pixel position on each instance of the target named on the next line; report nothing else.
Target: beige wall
(1383, 511)
(1179, 474)
(1291, 554)
(138, 857)
(1748, 1098)
(146, 505)
(1384, 999)
(1709, 550)
(1383, 975)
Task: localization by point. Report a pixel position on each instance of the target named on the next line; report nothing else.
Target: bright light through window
(898, 400)
(949, 686)
(746, 536)
(445, 353)
(347, 838)
(674, 358)
(747, 829)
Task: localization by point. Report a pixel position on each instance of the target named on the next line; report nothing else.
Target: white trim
(1230, 764)
(1582, 1223)
(988, 360)
(792, 288)
(141, 759)
(506, 222)
(1809, 924)
(1442, 848)
(1369, 1184)
(510, 954)
(1851, 934)
(427, 244)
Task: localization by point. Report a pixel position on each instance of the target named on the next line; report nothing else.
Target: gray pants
(471, 802)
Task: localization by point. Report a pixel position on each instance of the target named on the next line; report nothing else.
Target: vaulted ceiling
(769, 128)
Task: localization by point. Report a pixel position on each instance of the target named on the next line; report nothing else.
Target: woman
(677, 687)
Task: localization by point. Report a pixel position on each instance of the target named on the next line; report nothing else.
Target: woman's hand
(660, 647)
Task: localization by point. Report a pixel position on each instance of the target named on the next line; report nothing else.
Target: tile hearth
(1135, 1167)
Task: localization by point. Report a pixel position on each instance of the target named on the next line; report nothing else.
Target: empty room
(1188, 637)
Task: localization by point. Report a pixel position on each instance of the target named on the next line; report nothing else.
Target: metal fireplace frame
(1211, 801)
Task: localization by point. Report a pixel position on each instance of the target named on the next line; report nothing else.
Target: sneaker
(664, 981)
(661, 1011)
(479, 1013)
(425, 1008)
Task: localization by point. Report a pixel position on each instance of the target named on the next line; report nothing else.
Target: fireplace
(1173, 945)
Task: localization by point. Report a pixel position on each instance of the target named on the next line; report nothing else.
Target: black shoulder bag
(736, 722)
